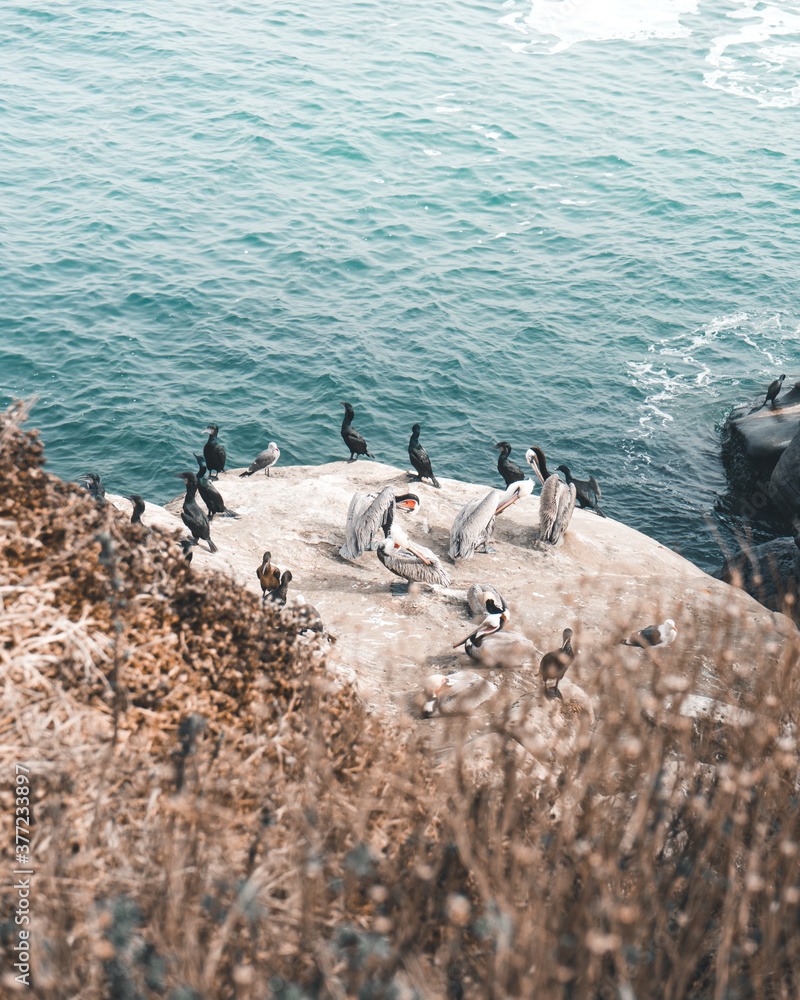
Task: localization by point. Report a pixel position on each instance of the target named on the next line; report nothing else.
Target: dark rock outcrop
(764, 432)
(784, 484)
(768, 572)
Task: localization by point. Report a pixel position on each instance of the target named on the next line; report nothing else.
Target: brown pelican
(419, 458)
(456, 694)
(491, 646)
(554, 665)
(213, 452)
(366, 516)
(263, 460)
(474, 523)
(557, 501)
(405, 558)
(509, 470)
(354, 441)
(484, 599)
(654, 635)
(269, 576)
(587, 492)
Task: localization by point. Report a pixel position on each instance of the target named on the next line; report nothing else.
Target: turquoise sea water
(570, 223)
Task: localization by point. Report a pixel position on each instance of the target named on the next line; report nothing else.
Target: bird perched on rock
(91, 483)
(264, 460)
(419, 459)
(773, 390)
(491, 646)
(509, 470)
(474, 523)
(654, 635)
(484, 599)
(554, 665)
(557, 501)
(191, 515)
(459, 693)
(269, 576)
(213, 452)
(587, 492)
(354, 441)
(368, 514)
(278, 595)
(138, 508)
(212, 497)
(409, 560)
(187, 546)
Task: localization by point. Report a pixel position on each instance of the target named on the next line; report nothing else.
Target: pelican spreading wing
(556, 503)
(474, 523)
(367, 515)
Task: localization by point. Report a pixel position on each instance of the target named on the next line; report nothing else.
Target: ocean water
(570, 223)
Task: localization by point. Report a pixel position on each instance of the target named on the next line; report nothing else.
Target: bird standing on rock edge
(269, 576)
(587, 492)
(263, 460)
(192, 515)
(557, 500)
(354, 441)
(509, 470)
(212, 497)
(773, 390)
(419, 459)
(213, 452)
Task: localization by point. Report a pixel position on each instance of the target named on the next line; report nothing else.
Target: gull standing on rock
(474, 523)
(408, 560)
(557, 501)
(368, 514)
(263, 460)
(213, 452)
(354, 441)
(419, 459)
(654, 635)
(191, 515)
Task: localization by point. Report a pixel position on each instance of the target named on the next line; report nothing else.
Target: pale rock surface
(603, 581)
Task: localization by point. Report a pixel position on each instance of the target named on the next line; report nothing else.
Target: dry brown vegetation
(215, 817)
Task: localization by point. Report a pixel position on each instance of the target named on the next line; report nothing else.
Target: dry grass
(215, 817)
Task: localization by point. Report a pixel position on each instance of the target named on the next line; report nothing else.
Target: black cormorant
(419, 458)
(191, 515)
(354, 441)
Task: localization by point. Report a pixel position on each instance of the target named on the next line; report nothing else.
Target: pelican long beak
(407, 505)
(523, 488)
(530, 457)
(490, 624)
(412, 548)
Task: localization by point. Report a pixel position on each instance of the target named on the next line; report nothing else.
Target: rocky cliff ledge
(603, 581)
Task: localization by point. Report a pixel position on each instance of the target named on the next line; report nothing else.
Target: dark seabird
(408, 560)
(368, 514)
(91, 482)
(554, 665)
(264, 460)
(774, 389)
(278, 595)
(419, 459)
(187, 546)
(354, 441)
(587, 492)
(138, 508)
(510, 472)
(212, 497)
(654, 635)
(213, 452)
(557, 501)
(474, 523)
(191, 515)
(269, 576)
